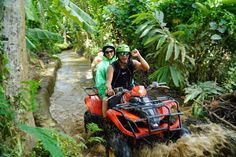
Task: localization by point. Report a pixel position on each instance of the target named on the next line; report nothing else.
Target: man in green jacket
(100, 78)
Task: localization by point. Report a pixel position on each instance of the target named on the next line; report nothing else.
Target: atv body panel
(94, 104)
(133, 125)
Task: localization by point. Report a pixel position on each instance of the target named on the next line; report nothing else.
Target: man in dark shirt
(120, 73)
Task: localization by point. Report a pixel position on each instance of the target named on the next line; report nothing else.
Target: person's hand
(110, 92)
(135, 53)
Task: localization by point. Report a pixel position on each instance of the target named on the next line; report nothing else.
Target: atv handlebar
(120, 90)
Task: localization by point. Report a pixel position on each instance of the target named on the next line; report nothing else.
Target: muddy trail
(67, 109)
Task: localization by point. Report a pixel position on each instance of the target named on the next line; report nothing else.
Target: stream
(67, 101)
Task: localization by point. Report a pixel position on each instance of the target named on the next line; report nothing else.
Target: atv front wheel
(87, 119)
(117, 147)
(92, 118)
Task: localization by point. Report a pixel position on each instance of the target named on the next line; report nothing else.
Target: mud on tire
(117, 147)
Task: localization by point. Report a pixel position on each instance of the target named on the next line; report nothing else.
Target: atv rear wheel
(117, 147)
(92, 118)
(87, 119)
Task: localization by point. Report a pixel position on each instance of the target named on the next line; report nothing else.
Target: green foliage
(43, 34)
(27, 95)
(31, 10)
(57, 144)
(167, 50)
(3, 69)
(117, 15)
(213, 39)
(177, 11)
(198, 111)
(169, 74)
(37, 38)
(230, 81)
(75, 13)
(197, 93)
(45, 18)
(45, 136)
(202, 91)
(9, 134)
(6, 111)
(93, 129)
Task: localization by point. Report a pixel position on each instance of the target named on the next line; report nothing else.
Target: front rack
(161, 102)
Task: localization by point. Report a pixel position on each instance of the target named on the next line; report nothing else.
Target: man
(100, 78)
(121, 72)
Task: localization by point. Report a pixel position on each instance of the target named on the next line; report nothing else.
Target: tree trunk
(14, 44)
(14, 47)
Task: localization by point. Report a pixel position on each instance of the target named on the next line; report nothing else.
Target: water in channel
(67, 101)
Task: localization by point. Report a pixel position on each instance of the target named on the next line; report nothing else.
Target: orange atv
(136, 120)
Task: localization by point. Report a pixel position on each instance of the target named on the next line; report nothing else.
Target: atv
(137, 120)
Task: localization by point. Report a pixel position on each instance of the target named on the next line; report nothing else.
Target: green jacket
(100, 78)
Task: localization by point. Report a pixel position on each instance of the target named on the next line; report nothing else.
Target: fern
(92, 127)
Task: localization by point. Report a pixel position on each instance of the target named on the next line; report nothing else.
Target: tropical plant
(212, 38)
(170, 54)
(74, 12)
(198, 93)
(38, 39)
(46, 22)
(57, 144)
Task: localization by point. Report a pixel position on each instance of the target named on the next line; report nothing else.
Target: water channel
(67, 104)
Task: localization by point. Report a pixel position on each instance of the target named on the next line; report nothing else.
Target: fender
(94, 104)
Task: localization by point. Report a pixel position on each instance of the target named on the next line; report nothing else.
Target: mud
(206, 140)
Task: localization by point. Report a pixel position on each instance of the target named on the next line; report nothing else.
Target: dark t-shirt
(123, 77)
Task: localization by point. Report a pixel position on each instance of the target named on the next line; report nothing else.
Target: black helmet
(108, 45)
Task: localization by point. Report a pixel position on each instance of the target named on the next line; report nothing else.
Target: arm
(100, 80)
(141, 64)
(109, 78)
